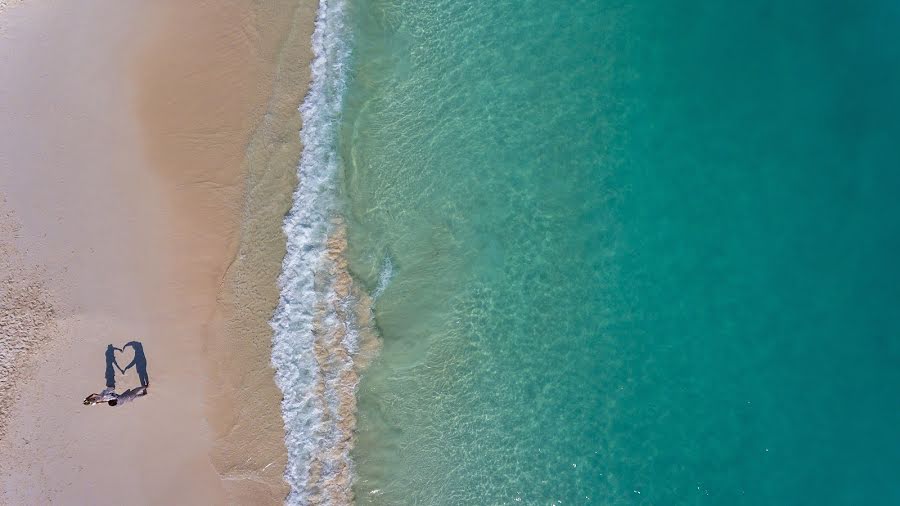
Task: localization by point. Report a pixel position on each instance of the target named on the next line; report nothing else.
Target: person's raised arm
(131, 343)
(116, 363)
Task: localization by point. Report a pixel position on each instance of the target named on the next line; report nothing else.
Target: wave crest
(323, 332)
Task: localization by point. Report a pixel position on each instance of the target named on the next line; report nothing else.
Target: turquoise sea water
(626, 252)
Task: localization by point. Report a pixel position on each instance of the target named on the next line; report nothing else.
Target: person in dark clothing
(139, 362)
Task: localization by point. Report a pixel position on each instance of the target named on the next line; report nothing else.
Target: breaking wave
(322, 325)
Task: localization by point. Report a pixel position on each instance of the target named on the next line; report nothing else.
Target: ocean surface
(616, 252)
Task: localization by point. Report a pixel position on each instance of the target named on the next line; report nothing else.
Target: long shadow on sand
(139, 362)
(110, 362)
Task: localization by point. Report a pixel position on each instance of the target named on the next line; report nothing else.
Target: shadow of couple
(139, 362)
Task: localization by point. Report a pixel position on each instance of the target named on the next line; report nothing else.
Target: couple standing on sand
(109, 395)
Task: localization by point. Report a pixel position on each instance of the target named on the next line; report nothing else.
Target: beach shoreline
(149, 156)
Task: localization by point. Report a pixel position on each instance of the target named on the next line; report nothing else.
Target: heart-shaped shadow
(121, 358)
(125, 356)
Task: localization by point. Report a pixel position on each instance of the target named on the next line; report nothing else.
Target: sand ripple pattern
(322, 326)
(27, 316)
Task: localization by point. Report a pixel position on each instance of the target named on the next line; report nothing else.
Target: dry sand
(147, 155)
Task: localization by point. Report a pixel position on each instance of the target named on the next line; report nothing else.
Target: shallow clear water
(626, 252)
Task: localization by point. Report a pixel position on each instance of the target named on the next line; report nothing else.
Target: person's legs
(142, 374)
(110, 376)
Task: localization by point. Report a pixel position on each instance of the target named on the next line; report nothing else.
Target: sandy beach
(147, 156)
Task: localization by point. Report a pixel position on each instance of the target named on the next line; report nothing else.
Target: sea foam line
(321, 314)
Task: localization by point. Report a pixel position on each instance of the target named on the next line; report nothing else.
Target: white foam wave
(312, 394)
(384, 277)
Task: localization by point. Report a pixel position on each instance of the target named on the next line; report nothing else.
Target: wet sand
(147, 155)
